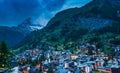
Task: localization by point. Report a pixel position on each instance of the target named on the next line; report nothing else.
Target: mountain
(13, 35)
(94, 15)
(27, 25)
(96, 22)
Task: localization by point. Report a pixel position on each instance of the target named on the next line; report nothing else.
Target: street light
(3, 65)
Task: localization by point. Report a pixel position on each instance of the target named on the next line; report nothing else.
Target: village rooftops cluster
(64, 61)
(67, 62)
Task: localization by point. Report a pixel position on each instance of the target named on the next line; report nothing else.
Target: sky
(13, 12)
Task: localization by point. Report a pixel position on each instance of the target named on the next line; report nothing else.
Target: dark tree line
(4, 55)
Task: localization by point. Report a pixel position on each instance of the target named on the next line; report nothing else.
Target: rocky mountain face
(27, 25)
(98, 20)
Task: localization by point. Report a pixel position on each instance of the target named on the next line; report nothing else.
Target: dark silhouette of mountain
(10, 36)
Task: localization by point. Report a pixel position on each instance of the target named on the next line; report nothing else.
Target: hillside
(10, 36)
(96, 22)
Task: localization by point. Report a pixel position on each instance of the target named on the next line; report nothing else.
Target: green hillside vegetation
(66, 27)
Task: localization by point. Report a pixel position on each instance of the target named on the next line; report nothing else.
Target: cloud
(75, 3)
(49, 9)
(54, 4)
(13, 12)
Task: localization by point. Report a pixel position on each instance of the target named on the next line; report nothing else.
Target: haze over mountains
(98, 21)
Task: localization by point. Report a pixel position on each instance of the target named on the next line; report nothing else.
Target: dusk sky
(13, 12)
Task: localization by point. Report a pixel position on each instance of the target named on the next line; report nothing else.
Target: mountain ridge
(73, 25)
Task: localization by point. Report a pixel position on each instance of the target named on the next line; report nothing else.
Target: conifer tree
(4, 55)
